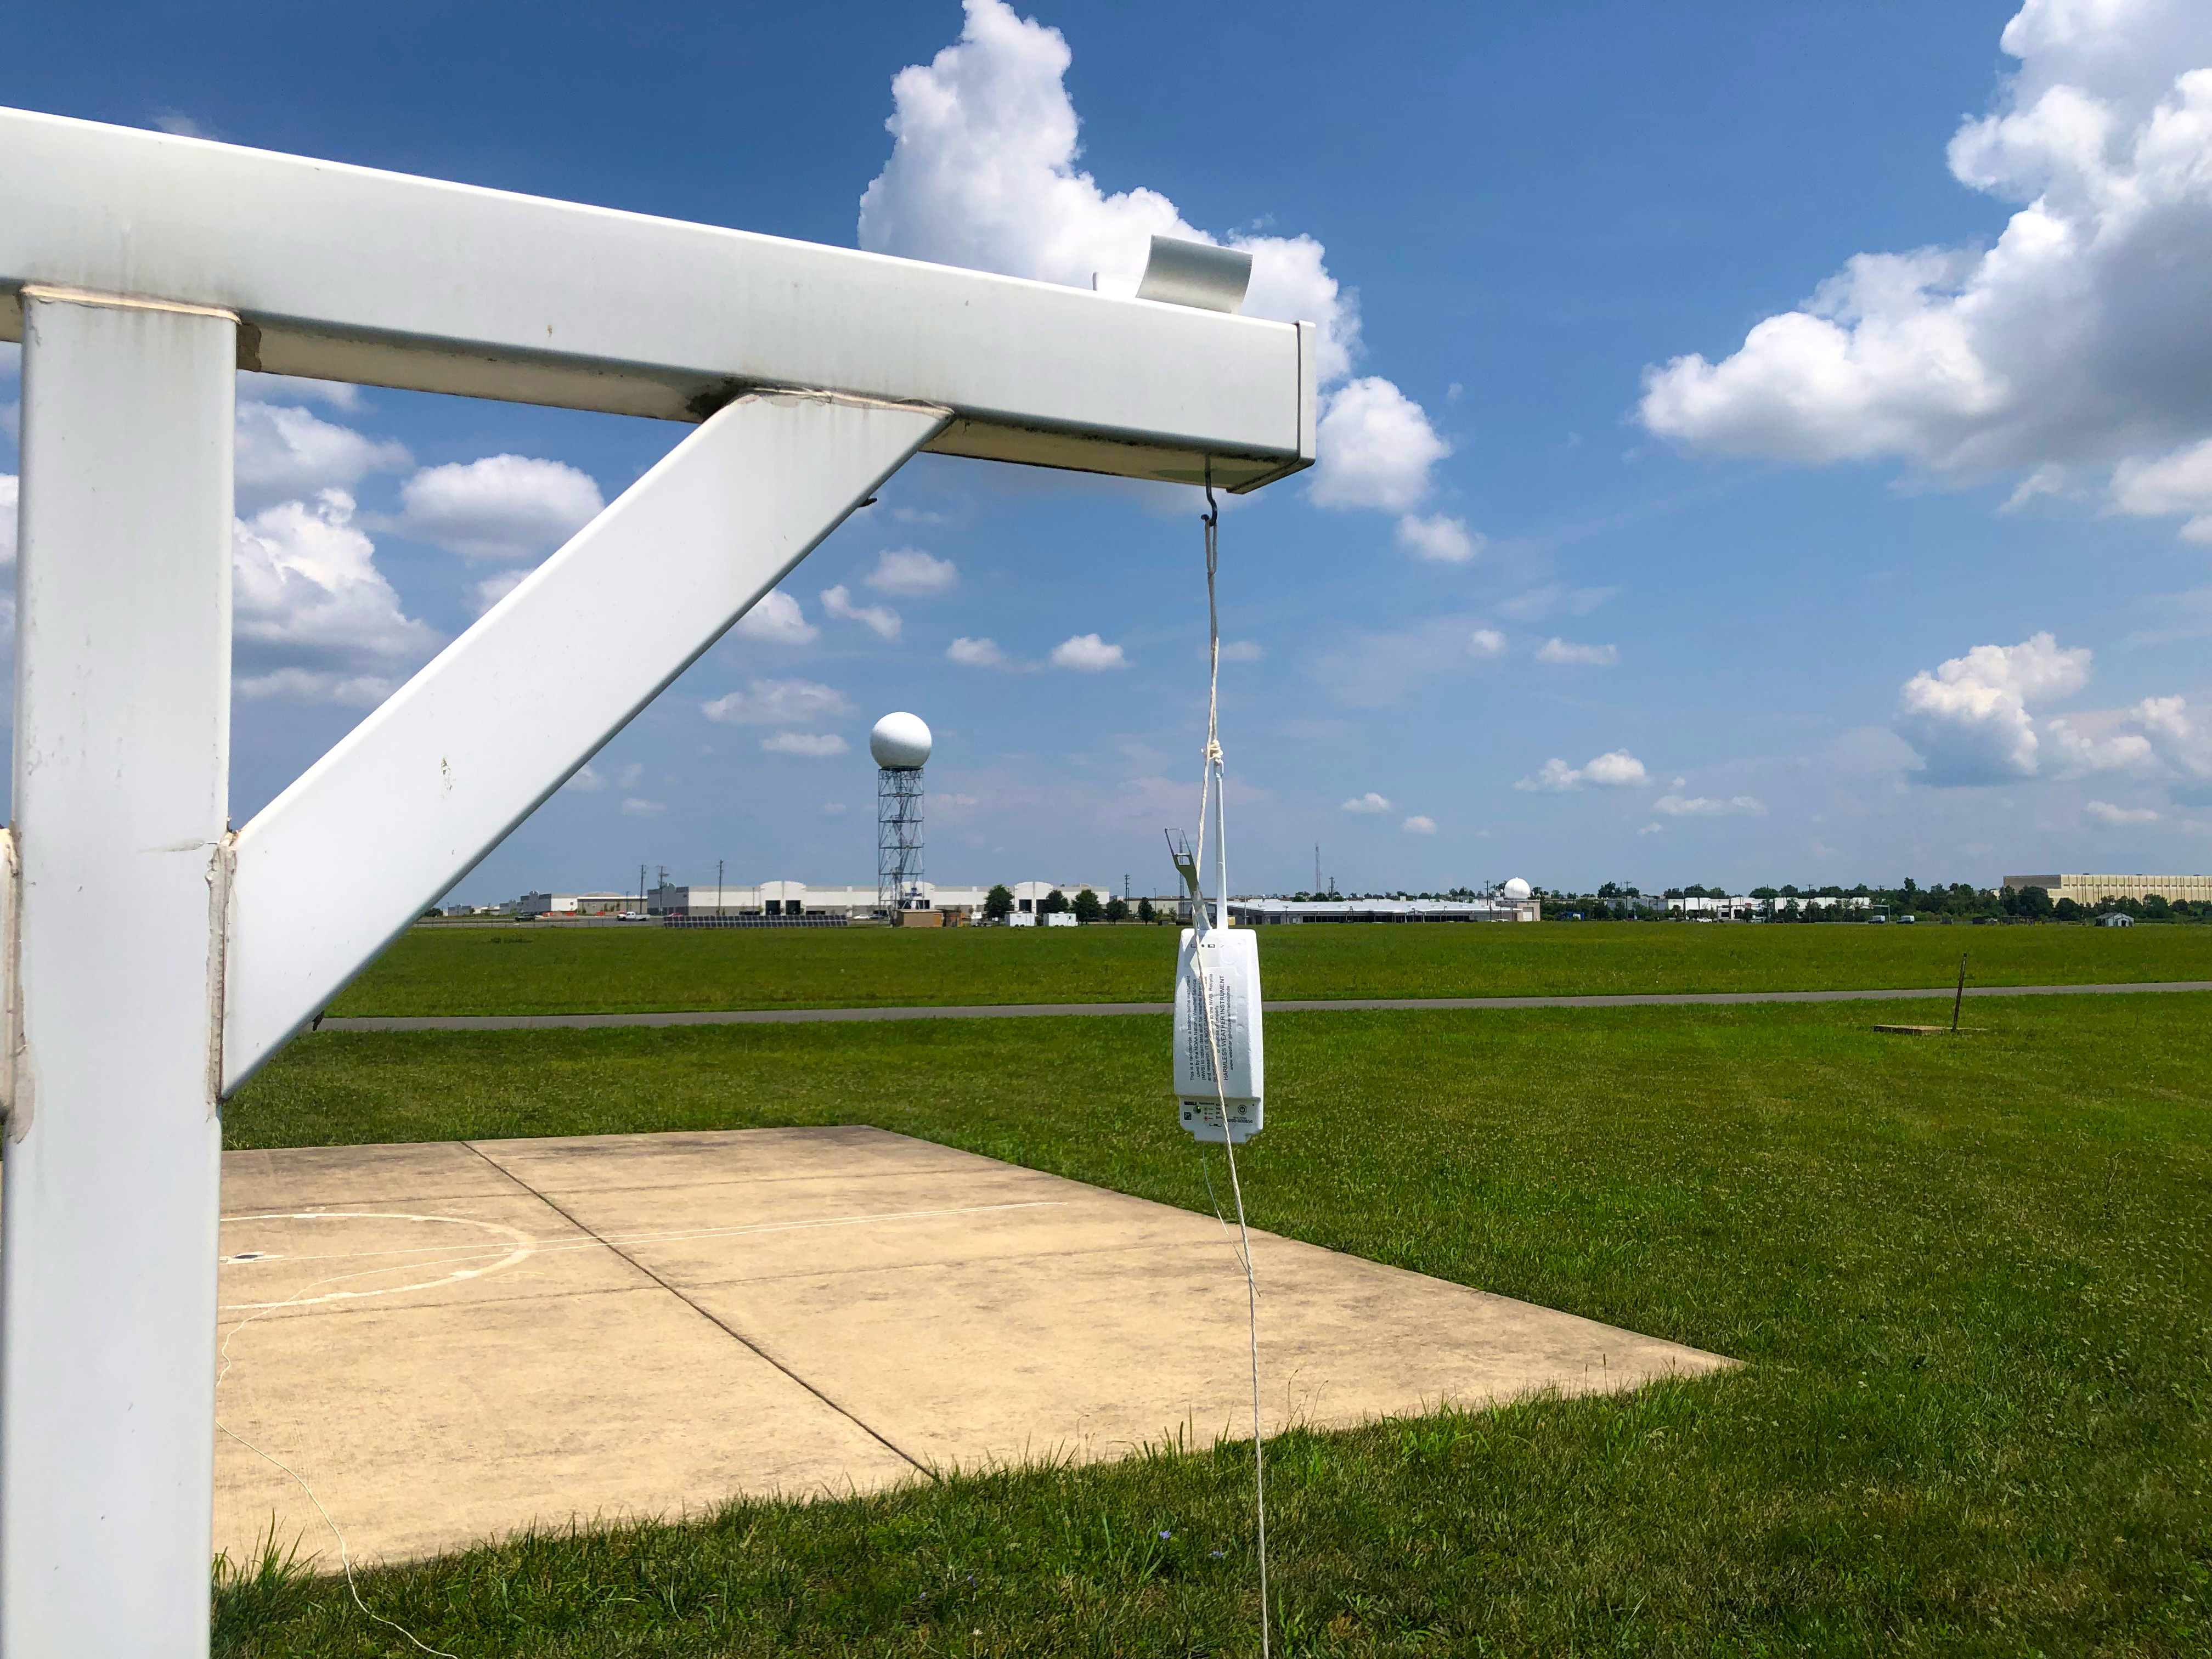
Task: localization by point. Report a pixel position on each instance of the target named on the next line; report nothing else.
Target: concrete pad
(1095, 1354)
(427, 1430)
(452, 1342)
(295, 1176)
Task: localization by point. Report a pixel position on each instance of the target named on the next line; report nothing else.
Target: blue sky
(1733, 399)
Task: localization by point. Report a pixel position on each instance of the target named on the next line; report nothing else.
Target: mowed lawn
(439, 969)
(1970, 1279)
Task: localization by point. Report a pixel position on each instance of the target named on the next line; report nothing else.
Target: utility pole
(640, 889)
(718, 887)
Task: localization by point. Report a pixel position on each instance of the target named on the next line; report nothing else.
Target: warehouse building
(2090, 890)
(788, 900)
(571, 904)
(1265, 913)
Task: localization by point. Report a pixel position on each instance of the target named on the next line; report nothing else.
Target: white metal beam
(349, 274)
(107, 1269)
(340, 863)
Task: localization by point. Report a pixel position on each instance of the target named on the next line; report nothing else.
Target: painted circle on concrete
(481, 1248)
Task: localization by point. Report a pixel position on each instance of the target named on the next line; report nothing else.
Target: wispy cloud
(814, 746)
(779, 702)
(1706, 807)
(1557, 650)
(878, 619)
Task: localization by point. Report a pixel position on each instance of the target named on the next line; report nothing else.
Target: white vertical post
(107, 1265)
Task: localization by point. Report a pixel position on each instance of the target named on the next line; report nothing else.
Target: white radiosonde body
(1230, 982)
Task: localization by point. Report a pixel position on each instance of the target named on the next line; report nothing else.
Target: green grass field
(540, 970)
(1970, 1280)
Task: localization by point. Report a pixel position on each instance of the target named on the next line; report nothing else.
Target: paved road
(1052, 1009)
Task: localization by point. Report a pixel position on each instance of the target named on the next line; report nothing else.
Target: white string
(1214, 786)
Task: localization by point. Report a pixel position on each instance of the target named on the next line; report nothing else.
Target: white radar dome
(900, 743)
(1517, 889)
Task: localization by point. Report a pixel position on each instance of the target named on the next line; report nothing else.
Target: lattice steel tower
(901, 745)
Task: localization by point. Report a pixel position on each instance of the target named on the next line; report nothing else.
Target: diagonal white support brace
(333, 869)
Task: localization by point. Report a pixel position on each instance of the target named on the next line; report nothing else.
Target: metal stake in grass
(1958, 1001)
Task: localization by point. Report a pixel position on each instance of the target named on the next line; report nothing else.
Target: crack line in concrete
(715, 1320)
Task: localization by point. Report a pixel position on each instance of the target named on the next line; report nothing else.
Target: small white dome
(1517, 889)
(900, 743)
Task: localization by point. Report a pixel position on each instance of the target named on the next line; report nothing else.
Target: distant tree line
(1956, 901)
(999, 904)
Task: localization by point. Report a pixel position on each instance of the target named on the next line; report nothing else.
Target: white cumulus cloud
(11, 488)
(504, 507)
(1445, 541)
(977, 653)
(1560, 651)
(1486, 642)
(815, 745)
(1377, 448)
(266, 388)
(912, 573)
(317, 685)
(2158, 737)
(640, 808)
(285, 450)
(2171, 484)
(1370, 802)
(879, 619)
(313, 618)
(1614, 769)
(778, 618)
(983, 174)
(1419, 825)
(492, 589)
(1969, 717)
(2080, 338)
(779, 702)
(1087, 653)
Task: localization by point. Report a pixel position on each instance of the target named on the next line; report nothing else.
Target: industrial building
(786, 900)
(572, 904)
(1263, 913)
(2090, 890)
